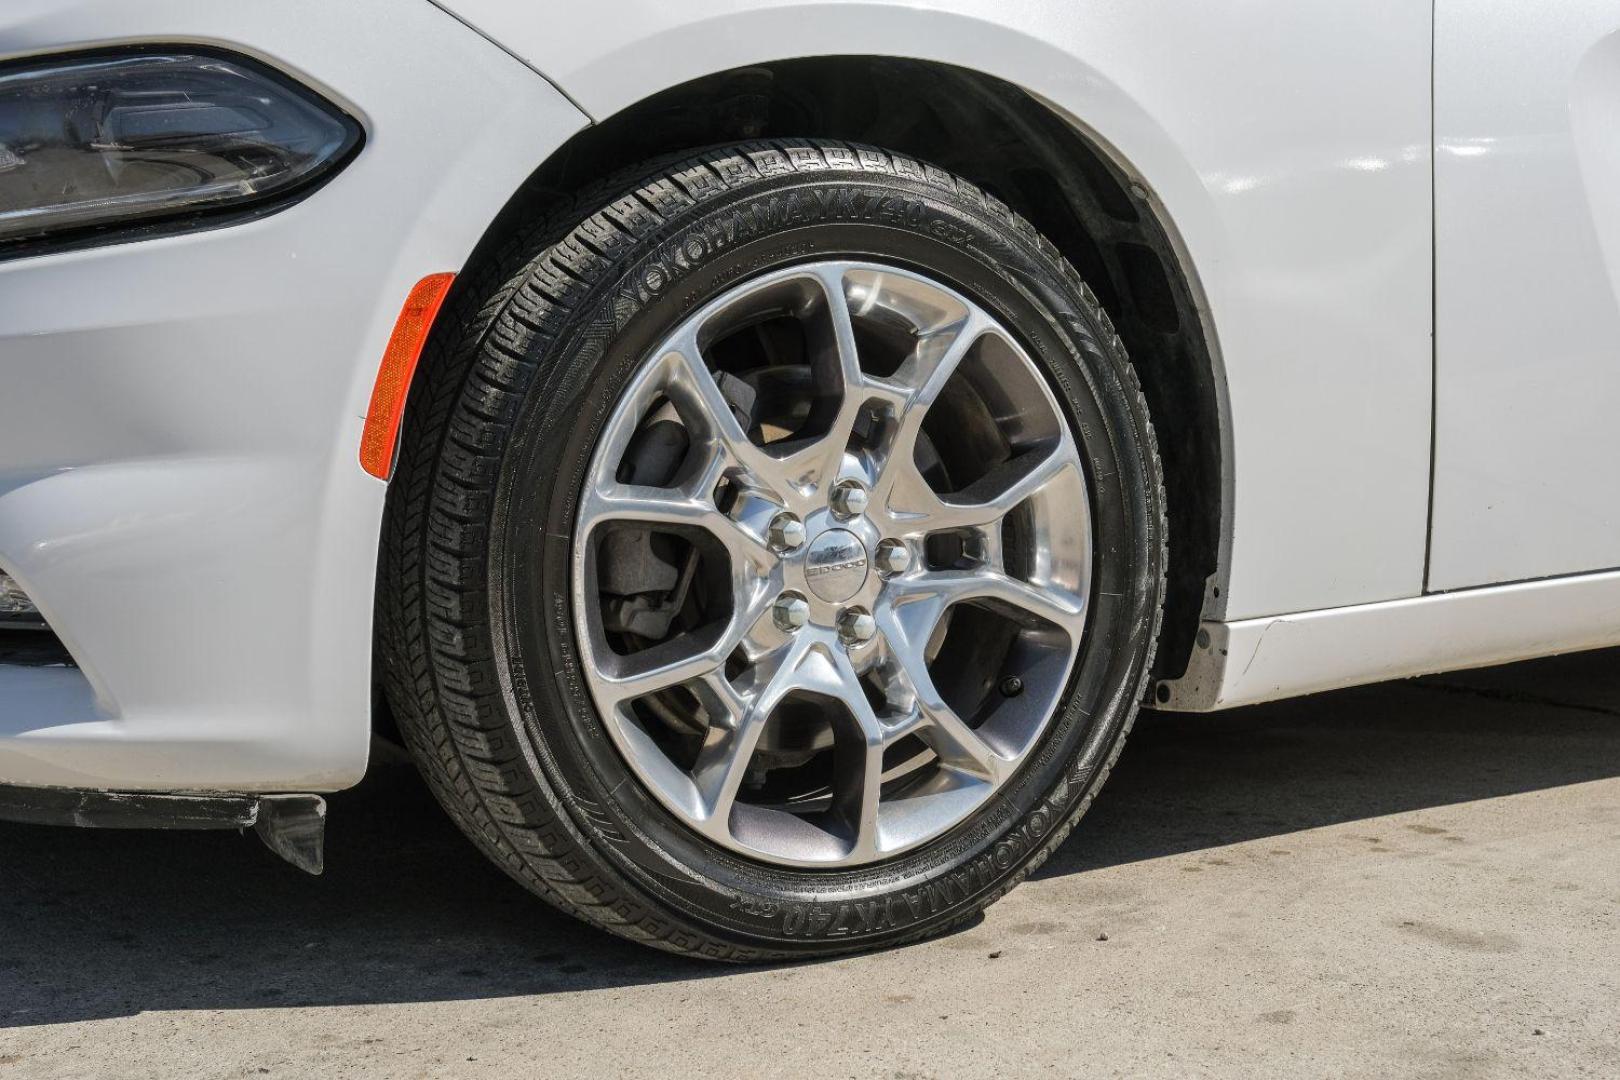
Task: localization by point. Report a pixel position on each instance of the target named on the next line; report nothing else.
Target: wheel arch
(1071, 183)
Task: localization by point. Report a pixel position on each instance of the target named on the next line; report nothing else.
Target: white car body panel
(179, 484)
(180, 417)
(1304, 213)
(1527, 291)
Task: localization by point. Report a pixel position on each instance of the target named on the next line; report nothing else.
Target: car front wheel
(775, 557)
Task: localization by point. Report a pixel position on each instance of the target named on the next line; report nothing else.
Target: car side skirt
(1254, 660)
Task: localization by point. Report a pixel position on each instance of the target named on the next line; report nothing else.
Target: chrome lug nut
(892, 557)
(786, 533)
(849, 498)
(856, 627)
(790, 612)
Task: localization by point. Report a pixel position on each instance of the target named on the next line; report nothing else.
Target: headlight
(97, 141)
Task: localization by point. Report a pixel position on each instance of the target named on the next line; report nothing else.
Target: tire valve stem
(1011, 686)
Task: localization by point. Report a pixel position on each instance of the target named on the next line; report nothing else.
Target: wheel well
(1010, 144)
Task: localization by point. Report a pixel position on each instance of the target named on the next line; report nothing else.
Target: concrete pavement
(1411, 880)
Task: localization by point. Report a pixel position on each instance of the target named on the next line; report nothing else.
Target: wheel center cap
(835, 566)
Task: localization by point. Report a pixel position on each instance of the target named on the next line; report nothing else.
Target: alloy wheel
(832, 564)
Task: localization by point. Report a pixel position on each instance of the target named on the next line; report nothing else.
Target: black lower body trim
(293, 826)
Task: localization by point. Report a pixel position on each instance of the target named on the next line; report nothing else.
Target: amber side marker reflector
(394, 376)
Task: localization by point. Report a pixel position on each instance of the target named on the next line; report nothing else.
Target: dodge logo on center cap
(835, 566)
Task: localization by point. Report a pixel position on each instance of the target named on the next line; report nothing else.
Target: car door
(1527, 275)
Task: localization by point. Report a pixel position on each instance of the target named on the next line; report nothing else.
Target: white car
(764, 452)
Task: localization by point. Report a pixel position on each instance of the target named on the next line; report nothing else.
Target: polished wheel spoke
(860, 801)
(697, 396)
(1046, 603)
(827, 455)
(698, 655)
(1002, 490)
(690, 508)
(935, 359)
(729, 747)
(914, 387)
(659, 668)
(957, 744)
(646, 505)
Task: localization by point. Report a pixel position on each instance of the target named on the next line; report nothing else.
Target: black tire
(527, 359)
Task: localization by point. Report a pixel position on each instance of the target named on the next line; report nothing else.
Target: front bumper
(180, 492)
